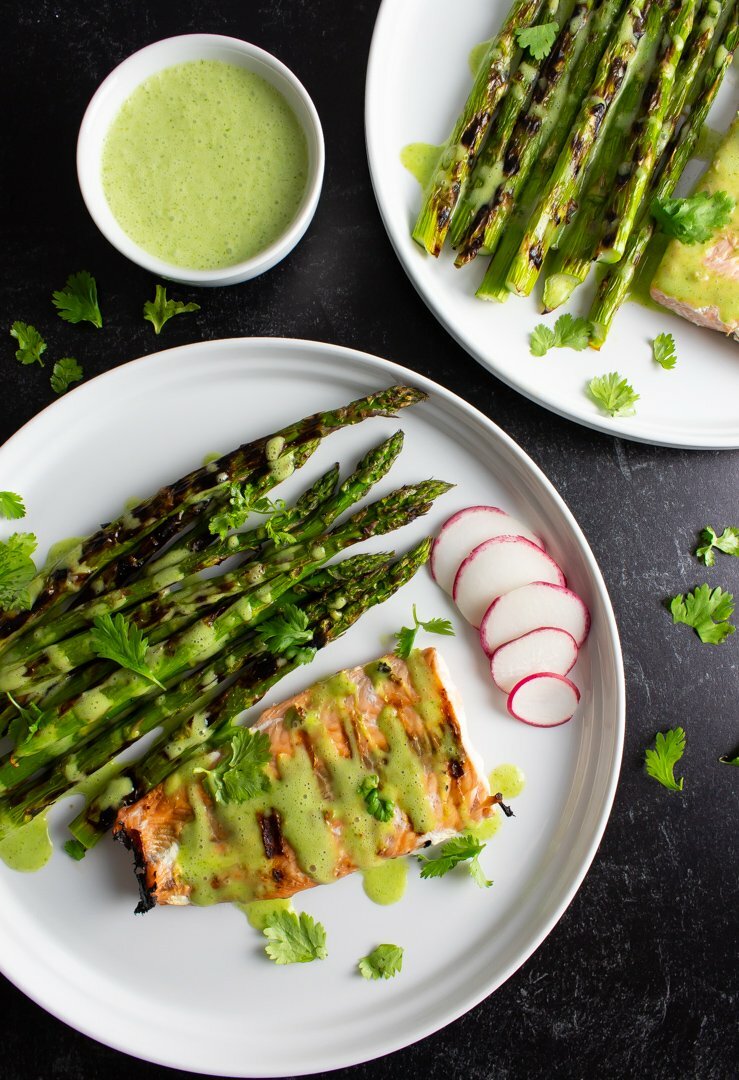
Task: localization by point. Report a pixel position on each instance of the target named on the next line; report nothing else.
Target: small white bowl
(119, 86)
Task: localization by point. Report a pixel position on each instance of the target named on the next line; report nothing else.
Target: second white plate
(417, 80)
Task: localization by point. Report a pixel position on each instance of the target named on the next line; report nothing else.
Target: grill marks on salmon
(400, 720)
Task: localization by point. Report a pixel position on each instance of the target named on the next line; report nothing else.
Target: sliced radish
(540, 603)
(545, 649)
(463, 532)
(544, 700)
(495, 567)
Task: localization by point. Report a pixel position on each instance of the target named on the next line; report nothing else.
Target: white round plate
(417, 81)
(191, 987)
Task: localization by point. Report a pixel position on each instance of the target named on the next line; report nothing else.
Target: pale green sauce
(209, 458)
(421, 159)
(648, 268)
(485, 830)
(28, 848)
(477, 55)
(61, 548)
(386, 884)
(708, 143)
(509, 780)
(259, 912)
(221, 853)
(690, 273)
(205, 165)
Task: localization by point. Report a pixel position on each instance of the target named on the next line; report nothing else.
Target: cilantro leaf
(11, 505)
(241, 776)
(613, 394)
(239, 506)
(160, 310)
(294, 939)
(17, 570)
(406, 636)
(707, 611)
(78, 300)
(660, 762)
(26, 723)
(75, 849)
(30, 343)
(571, 333)
(695, 219)
(728, 542)
(537, 39)
(458, 849)
(663, 350)
(384, 962)
(286, 631)
(277, 520)
(119, 640)
(66, 371)
(478, 874)
(379, 807)
(568, 333)
(542, 340)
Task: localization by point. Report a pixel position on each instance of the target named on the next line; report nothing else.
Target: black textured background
(640, 976)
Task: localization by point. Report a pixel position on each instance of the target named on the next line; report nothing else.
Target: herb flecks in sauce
(205, 165)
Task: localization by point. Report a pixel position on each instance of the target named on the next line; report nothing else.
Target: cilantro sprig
(78, 300)
(294, 939)
(661, 761)
(537, 39)
(406, 636)
(240, 776)
(30, 343)
(240, 504)
(287, 634)
(695, 219)
(12, 506)
(276, 519)
(613, 394)
(711, 542)
(120, 640)
(663, 351)
(379, 807)
(464, 848)
(569, 332)
(26, 723)
(707, 611)
(384, 962)
(66, 371)
(17, 570)
(160, 310)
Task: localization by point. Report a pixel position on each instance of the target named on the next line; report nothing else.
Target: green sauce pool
(205, 165)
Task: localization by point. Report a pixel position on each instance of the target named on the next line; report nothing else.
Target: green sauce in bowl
(205, 165)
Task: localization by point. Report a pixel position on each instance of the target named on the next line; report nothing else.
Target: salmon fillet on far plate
(395, 727)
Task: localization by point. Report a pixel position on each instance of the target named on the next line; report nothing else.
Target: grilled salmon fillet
(701, 281)
(398, 722)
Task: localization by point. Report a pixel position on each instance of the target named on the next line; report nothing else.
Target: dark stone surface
(640, 976)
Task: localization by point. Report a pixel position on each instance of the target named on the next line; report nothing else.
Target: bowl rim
(88, 159)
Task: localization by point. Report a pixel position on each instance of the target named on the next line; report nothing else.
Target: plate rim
(399, 373)
(616, 427)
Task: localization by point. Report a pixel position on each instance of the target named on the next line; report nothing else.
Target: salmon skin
(393, 726)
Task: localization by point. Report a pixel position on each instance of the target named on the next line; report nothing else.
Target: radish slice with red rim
(498, 566)
(545, 649)
(544, 700)
(463, 531)
(530, 607)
